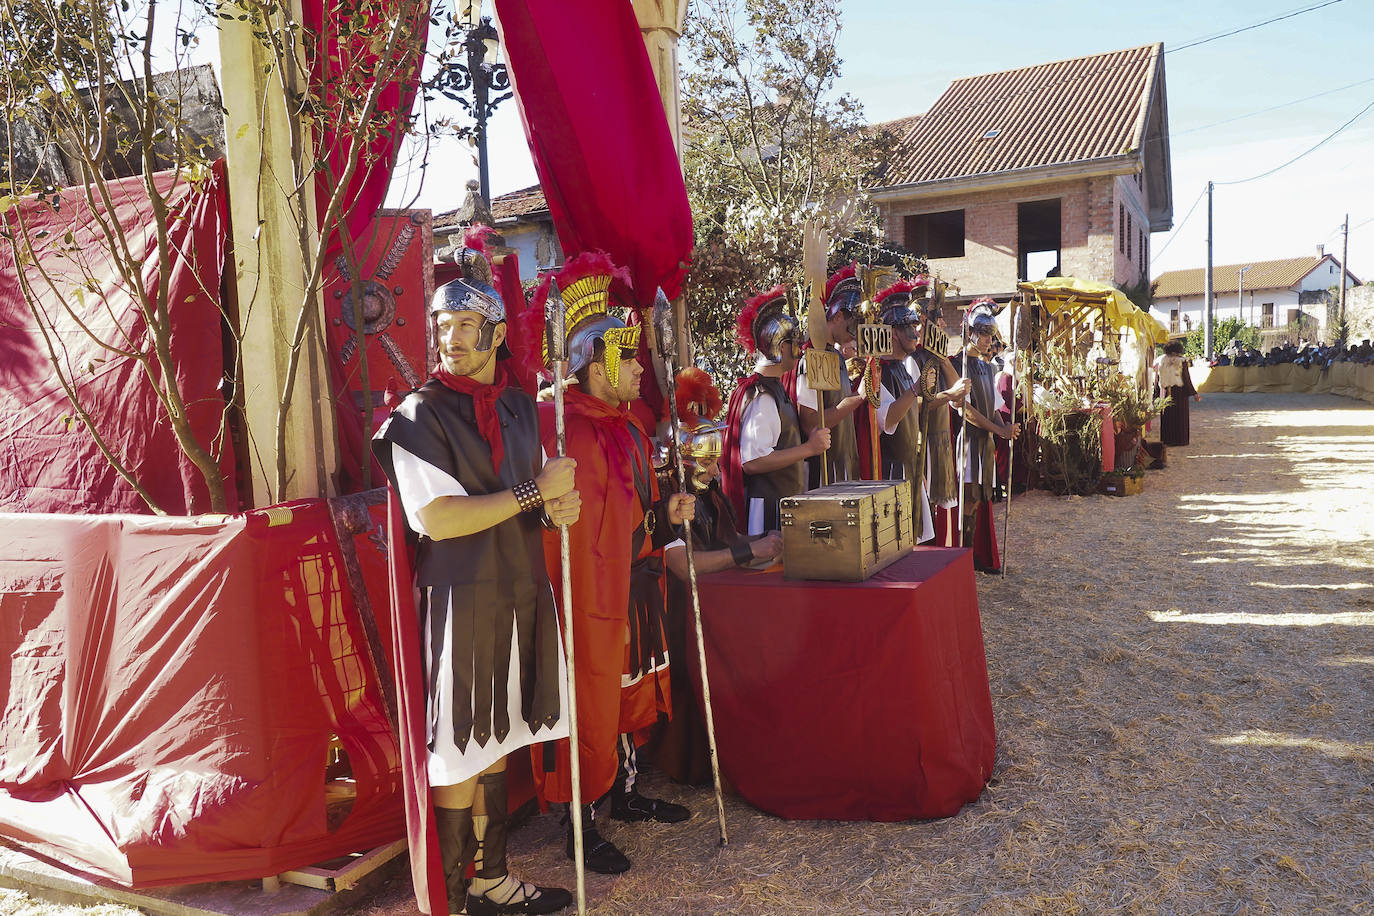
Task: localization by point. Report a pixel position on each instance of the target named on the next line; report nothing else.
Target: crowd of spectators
(1303, 353)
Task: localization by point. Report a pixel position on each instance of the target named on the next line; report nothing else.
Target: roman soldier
(764, 455)
(941, 388)
(977, 454)
(617, 566)
(463, 455)
(899, 411)
(843, 292)
(683, 749)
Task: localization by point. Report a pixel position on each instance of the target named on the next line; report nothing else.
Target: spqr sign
(823, 370)
(874, 340)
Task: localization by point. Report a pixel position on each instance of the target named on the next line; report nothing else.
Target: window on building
(1173, 321)
(1129, 231)
(1038, 243)
(936, 235)
(1294, 315)
(1144, 254)
(1121, 227)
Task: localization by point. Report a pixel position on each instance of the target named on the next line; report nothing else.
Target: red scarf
(483, 405)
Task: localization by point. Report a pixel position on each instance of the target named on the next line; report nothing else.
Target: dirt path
(1182, 685)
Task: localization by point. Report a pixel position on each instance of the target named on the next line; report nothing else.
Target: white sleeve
(806, 395)
(420, 483)
(759, 429)
(885, 400)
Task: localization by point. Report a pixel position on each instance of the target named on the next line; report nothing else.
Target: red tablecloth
(852, 701)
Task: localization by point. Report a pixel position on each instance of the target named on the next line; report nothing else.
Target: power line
(1081, 76)
(1290, 15)
(1178, 229)
(1318, 145)
(1179, 133)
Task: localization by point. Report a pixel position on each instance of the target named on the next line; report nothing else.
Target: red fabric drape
(345, 68)
(174, 685)
(596, 128)
(426, 868)
(48, 461)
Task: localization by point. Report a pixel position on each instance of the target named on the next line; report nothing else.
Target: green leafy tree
(1224, 331)
(769, 146)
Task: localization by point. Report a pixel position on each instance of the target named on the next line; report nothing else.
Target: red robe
(599, 437)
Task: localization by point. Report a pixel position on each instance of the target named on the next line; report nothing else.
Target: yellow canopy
(1061, 294)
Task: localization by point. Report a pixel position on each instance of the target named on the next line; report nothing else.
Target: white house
(1268, 294)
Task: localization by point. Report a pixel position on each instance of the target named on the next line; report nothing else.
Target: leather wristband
(528, 496)
(741, 553)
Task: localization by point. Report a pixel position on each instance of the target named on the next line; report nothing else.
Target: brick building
(1056, 167)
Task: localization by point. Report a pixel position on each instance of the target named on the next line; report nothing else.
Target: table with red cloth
(852, 701)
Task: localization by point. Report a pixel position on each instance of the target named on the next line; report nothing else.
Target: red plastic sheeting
(172, 685)
(48, 461)
(863, 701)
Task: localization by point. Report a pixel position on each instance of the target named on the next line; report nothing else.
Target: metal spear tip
(663, 322)
(555, 324)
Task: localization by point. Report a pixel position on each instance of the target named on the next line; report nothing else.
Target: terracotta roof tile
(505, 206)
(1067, 111)
(1282, 274)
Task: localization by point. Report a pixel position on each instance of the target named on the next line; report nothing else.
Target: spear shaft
(663, 330)
(556, 330)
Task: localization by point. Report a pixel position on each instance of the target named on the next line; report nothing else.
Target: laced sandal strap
(511, 890)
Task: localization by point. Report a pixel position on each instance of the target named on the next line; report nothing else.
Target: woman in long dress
(1172, 379)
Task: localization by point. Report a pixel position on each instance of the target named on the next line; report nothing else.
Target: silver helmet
(765, 326)
(473, 293)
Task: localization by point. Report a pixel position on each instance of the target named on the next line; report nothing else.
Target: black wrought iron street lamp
(483, 75)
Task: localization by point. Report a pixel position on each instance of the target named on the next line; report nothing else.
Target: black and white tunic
(494, 667)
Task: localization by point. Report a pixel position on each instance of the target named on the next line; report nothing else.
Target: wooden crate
(1120, 485)
(846, 531)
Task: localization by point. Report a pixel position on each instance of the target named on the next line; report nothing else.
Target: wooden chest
(1120, 485)
(847, 531)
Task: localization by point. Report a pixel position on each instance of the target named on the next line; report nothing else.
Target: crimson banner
(599, 137)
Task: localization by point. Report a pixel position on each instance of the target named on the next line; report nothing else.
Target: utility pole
(1345, 252)
(1207, 340)
(1240, 294)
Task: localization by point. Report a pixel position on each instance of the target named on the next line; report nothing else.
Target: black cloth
(1174, 423)
(901, 450)
(494, 581)
(681, 748)
(983, 397)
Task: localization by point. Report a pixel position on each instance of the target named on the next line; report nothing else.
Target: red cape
(731, 472)
(426, 869)
(599, 438)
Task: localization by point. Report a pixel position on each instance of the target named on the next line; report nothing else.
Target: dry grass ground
(1182, 685)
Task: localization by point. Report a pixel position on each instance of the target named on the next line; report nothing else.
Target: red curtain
(174, 684)
(48, 461)
(599, 137)
(344, 69)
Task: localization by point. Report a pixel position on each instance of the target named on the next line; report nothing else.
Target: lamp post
(483, 74)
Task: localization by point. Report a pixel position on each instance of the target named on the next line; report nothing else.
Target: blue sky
(899, 57)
